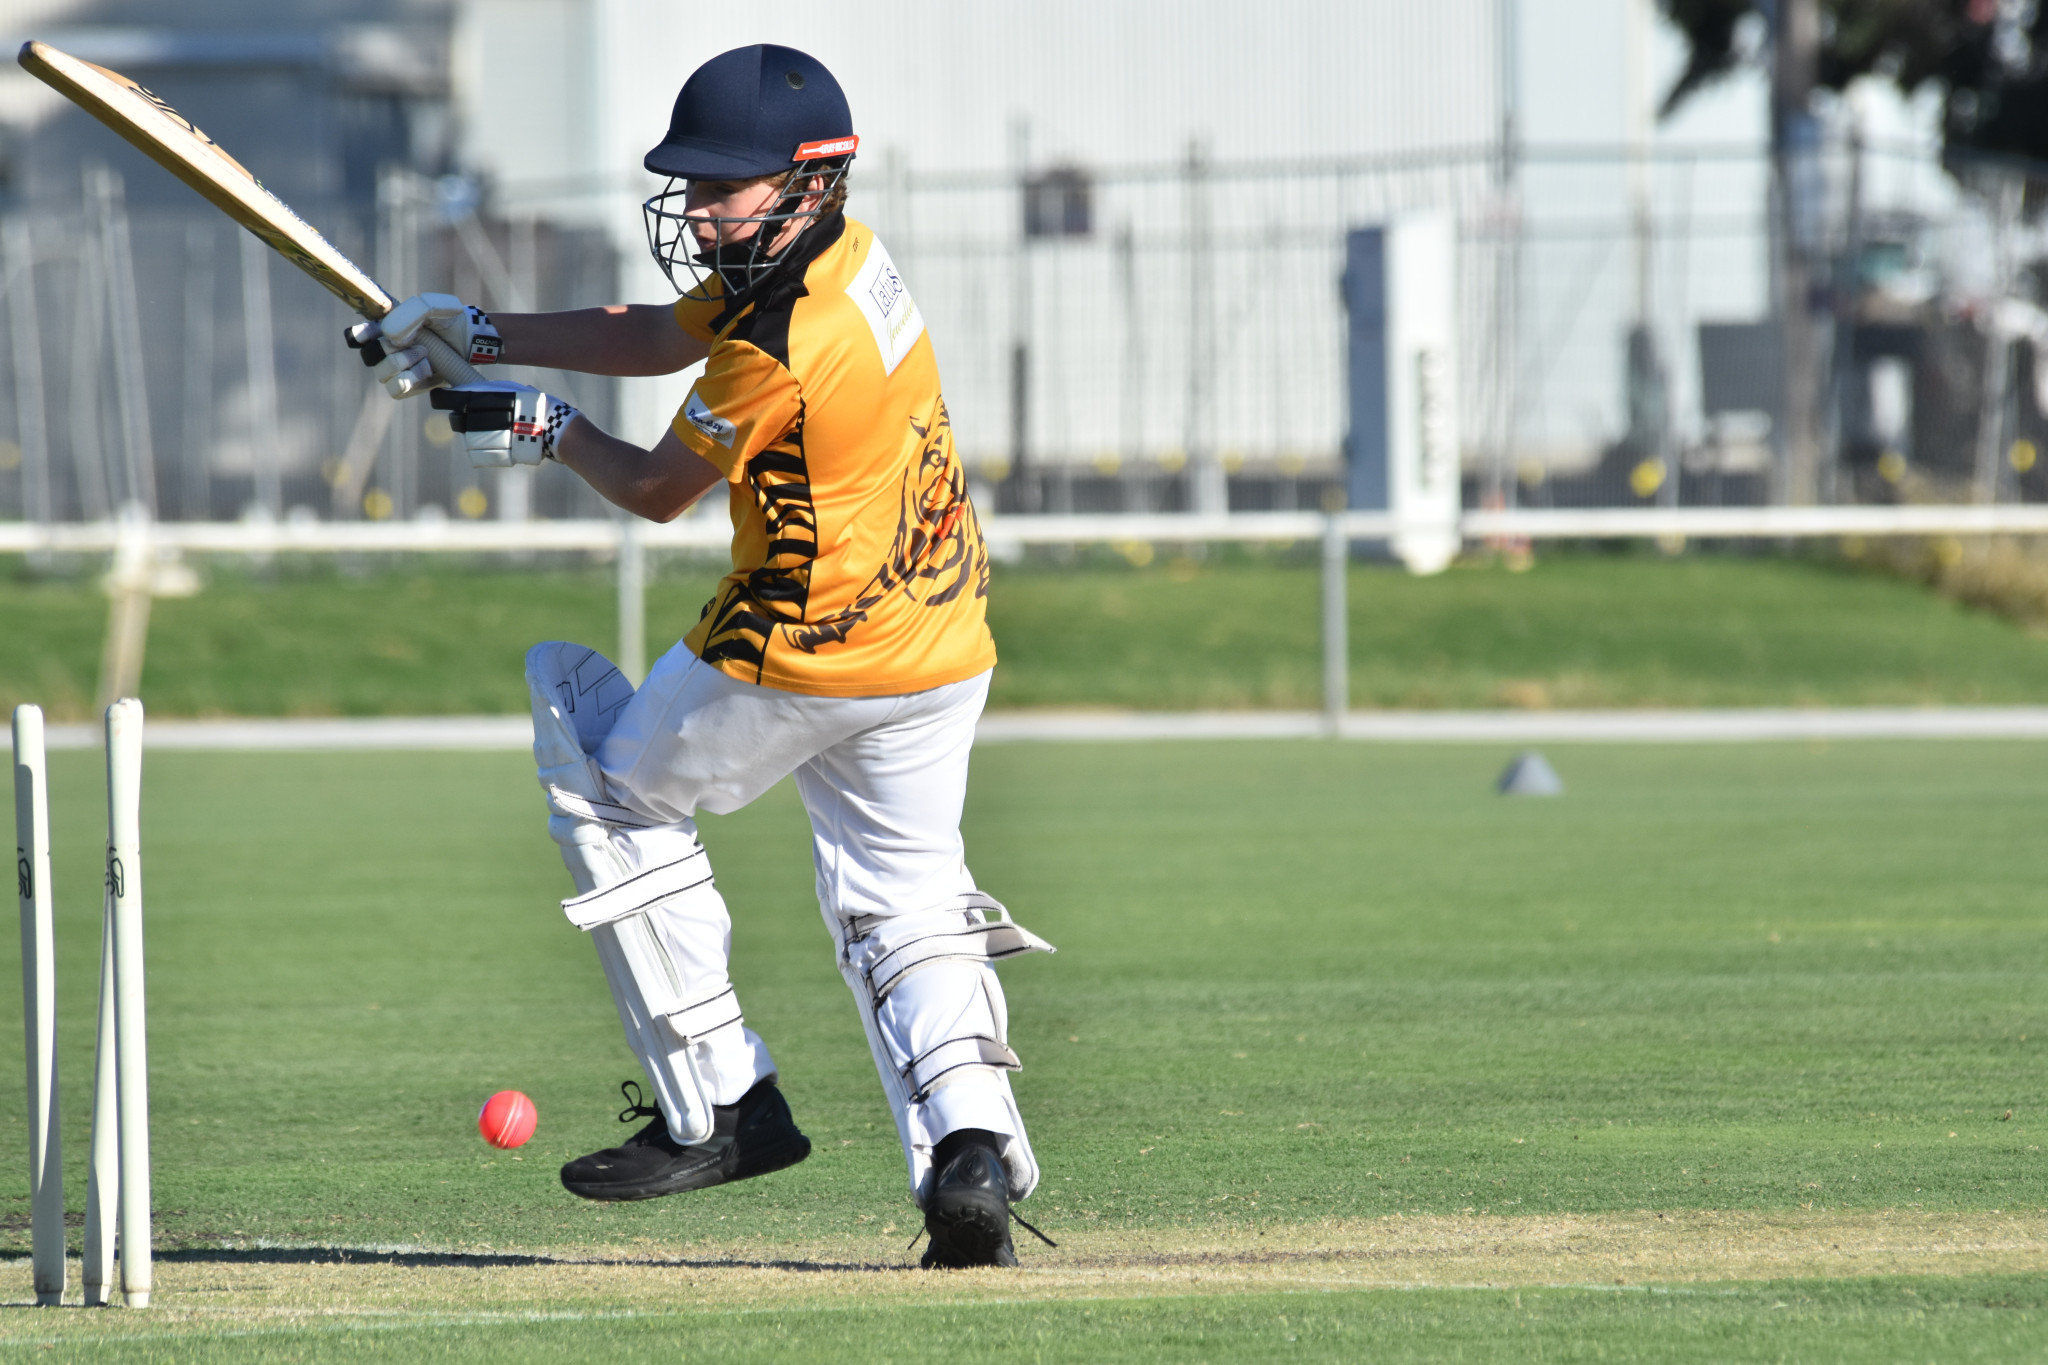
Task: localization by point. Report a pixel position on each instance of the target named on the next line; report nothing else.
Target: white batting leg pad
(577, 694)
(681, 1017)
(585, 693)
(938, 1026)
(646, 896)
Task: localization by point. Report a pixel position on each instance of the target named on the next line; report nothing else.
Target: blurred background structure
(1127, 229)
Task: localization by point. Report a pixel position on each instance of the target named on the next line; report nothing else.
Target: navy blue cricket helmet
(754, 111)
(748, 114)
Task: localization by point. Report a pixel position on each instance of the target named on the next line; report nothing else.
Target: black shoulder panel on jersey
(766, 326)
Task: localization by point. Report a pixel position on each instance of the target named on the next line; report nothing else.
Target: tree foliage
(1988, 58)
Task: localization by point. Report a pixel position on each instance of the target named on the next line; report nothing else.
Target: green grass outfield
(1734, 1052)
(1237, 630)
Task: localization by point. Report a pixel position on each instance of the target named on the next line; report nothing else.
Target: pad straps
(925, 1070)
(562, 801)
(888, 948)
(639, 892)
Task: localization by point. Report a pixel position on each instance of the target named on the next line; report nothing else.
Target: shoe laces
(1015, 1217)
(636, 1103)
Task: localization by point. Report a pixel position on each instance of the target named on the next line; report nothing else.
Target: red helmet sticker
(831, 146)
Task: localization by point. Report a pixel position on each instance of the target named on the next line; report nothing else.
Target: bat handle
(448, 363)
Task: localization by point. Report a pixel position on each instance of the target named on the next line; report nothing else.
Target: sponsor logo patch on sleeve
(707, 421)
(877, 290)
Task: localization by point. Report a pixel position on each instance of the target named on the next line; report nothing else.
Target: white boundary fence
(135, 543)
(1741, 725)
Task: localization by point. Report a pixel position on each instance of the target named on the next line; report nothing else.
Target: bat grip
(445, 360)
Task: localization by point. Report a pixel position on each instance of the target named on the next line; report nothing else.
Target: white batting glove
(391, 345)
(468, 330)
(503, 424)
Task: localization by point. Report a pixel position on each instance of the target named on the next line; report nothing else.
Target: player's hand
(468, 330)
(402, 370)
(503, 424)
(391, 345)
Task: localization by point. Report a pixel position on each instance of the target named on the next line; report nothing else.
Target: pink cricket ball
(507, 1119)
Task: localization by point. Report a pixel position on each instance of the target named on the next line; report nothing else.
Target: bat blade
(172, 141)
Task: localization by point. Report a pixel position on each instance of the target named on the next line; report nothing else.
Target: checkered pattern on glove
(502, 424)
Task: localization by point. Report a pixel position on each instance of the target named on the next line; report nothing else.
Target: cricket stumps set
(117, 1195)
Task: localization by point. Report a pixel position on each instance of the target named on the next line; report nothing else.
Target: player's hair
(835, 196)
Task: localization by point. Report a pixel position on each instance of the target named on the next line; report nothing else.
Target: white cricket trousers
(883, 780)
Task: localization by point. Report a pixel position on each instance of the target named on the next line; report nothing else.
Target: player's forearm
(619, 339)
(658, 484)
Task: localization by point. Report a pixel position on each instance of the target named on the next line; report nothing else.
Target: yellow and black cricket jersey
(858, 567)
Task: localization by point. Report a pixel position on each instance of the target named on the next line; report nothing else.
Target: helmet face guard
(738, 263)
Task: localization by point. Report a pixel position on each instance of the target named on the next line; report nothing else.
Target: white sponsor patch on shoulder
(877, 290)
(707, 421)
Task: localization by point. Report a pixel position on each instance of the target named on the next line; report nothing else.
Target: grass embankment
(1578, 630)
(1762, 1023)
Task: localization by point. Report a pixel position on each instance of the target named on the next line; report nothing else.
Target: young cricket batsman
(848, 646)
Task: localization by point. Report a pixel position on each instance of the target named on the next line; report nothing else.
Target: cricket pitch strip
(242, 1288)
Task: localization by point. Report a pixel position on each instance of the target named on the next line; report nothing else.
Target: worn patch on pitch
(239, 1287)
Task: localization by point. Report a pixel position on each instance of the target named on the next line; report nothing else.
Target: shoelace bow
(636, 1103)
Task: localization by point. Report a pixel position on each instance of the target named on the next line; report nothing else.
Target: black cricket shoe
(968, 1213)
(753, 1137)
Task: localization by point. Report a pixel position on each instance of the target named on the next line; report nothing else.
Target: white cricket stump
(103, 1177)
(39, 1004)
(131, 1037)
(117, 1199)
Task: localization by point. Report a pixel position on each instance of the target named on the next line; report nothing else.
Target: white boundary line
(1717, 726)
(710, 532)
(515, 733)
(1524, 727)
(369, 732)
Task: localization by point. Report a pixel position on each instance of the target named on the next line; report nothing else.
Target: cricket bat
(169, 138)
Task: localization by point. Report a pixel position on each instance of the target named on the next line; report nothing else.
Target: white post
(128, 591)
(1208, 488)
(87, 323)
(103, 1178)
(39, 1004)
(131, 389)
(1336, 625)
(25, 334)
(124, 891)
(261, 348)
(1422, 390)
(195, 454)
(632, 658)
